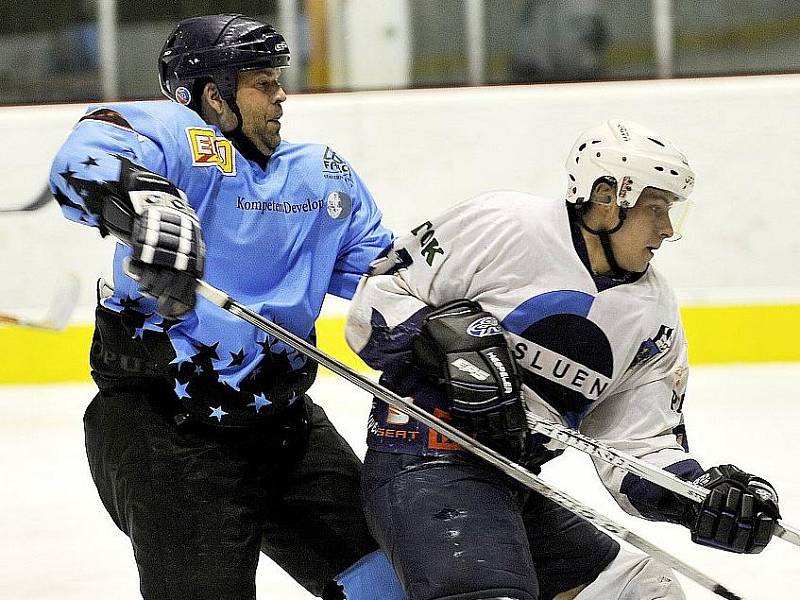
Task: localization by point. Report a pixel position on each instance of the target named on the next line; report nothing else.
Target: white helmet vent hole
(661, 169)
(655, 141)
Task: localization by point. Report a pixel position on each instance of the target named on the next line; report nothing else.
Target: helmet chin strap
(243, 143)
(617, 272)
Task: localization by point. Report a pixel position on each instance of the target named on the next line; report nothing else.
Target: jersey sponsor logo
(651, 347)
(557, 368)
(278, 206)
(464, 365)
(335, 167)
(565, 358)
(208, 150)
(438, 441)
(339, 205)
(429, 245)
(483, 327)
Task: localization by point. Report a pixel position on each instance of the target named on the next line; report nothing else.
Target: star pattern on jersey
(180, 390)
(90, 191)
(134, 321)
(228, 387)
(129, 301)
(266, 346)
(90, 161)
(205, 352)
(237, 358)
(64, 201)
(217, 413)
(260, 401)
(166, 324)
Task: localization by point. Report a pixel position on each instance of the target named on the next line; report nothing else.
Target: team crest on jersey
(208, 150)
(651, 347)
(335, 167)
(483, 326)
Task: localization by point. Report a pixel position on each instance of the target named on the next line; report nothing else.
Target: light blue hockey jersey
(277, 239)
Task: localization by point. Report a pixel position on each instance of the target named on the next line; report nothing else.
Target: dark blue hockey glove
(463, 349)
(738, 515)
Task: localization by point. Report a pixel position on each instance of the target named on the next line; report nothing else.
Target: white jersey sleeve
(447, 258)
(645, 418)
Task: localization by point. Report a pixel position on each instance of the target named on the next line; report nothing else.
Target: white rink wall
(423, 150)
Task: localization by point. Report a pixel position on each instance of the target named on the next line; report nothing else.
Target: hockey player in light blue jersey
(202, 441)
(550, 306)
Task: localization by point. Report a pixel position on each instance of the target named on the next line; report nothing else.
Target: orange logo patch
(208, 150)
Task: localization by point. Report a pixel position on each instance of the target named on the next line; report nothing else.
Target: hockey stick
(42, 200)
(510, 468)
(637, 466)
(61, 307)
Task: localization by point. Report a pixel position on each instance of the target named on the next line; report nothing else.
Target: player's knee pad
(371, 578)
(633, 576)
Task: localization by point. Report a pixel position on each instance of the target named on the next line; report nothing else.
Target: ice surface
(59, 544)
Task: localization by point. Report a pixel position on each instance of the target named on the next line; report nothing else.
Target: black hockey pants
(199, 503)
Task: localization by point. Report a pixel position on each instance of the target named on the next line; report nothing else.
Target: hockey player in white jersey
(508, 299)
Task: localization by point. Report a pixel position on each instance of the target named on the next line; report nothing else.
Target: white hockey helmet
(635, 157)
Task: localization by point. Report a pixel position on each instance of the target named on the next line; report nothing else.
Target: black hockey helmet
(215, 48)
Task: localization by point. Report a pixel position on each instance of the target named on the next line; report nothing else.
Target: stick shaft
(637, 466)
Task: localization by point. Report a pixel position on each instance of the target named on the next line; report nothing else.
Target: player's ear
(213, 104)
(604, 191)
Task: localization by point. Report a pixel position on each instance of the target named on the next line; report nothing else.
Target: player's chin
(272, 140)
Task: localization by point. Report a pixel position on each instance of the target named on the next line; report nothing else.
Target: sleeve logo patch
(208, 150)
(651, 347)
(339, 205)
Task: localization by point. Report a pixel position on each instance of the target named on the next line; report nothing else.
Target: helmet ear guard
(215, 48)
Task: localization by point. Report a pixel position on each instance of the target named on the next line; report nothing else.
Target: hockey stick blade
(509, 467)
(61, 307)
(40, 201)
(637, 466)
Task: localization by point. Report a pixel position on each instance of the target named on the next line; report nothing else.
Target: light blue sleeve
(87, 166)
(365, 240)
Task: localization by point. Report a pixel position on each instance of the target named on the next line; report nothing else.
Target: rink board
(716, 335)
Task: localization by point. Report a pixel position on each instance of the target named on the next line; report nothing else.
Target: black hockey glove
(153, 216)
(463, 349)
(738, 515)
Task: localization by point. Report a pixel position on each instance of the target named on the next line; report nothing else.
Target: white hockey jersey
(603, 356)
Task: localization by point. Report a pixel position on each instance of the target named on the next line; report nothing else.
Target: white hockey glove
(463, 348)
(153, 216)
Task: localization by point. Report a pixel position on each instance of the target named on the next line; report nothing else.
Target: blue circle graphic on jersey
(564, 356)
